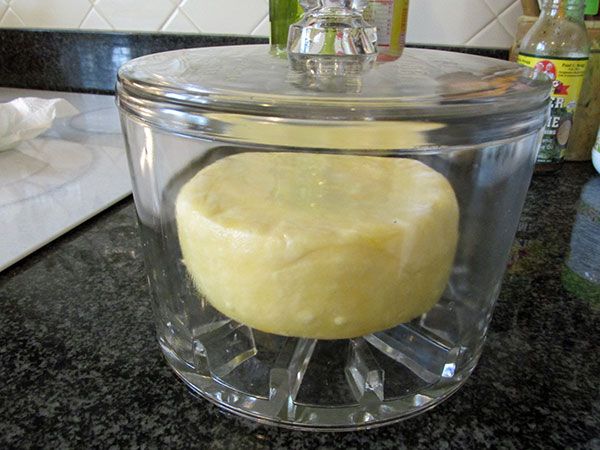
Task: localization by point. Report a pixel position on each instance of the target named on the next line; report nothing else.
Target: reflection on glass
(120, 55)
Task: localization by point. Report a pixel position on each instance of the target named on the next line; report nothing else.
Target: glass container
(325, 236)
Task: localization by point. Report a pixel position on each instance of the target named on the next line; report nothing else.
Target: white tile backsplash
(94, 21)
(3, 7)
(179, 23)
(435, 21)
(225, 16)
(51, 13)
(486, 23)
(509, 17)
(497, 6)
(492, 32)
(11, 20)
(263, 28)
(148, 15)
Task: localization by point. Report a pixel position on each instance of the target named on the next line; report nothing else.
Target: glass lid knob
(332, 28)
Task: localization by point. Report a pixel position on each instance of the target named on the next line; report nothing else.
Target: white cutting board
(58, 180)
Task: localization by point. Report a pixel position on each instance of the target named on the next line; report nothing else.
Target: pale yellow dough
(318, 245)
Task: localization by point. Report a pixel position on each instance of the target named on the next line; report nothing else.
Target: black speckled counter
(84, 61)
(80, 368)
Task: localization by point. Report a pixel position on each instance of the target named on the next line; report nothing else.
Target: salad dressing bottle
(558, 46)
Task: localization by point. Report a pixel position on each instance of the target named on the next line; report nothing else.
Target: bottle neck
(572, 9)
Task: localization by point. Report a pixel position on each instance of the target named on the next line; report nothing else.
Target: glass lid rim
(192, 96)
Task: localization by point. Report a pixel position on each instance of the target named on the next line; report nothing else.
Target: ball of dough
(318, 245)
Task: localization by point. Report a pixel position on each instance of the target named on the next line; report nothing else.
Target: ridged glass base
(307, 384)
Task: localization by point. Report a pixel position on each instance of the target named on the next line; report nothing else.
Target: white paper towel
(27, 117)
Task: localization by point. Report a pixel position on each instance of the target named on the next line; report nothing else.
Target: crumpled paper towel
(27, 117)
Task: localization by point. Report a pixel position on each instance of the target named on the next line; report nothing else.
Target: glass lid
(421, 83)
(331, 92)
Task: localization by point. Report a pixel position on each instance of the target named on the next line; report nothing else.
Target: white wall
(487, 23)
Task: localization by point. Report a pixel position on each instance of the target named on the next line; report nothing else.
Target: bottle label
(567, 77)
(389, 17)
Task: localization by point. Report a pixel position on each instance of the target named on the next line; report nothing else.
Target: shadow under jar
(325, 246)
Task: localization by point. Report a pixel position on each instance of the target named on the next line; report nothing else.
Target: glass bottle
(282, 13)
(389, 17)
(558, 46)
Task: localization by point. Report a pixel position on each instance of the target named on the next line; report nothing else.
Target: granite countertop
(80, 366)
(87, 61)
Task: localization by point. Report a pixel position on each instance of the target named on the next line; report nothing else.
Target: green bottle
(282, 13)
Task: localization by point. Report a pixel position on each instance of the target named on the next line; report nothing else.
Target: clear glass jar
(291, 282)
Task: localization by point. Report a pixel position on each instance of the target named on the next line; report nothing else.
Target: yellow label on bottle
(567, 78)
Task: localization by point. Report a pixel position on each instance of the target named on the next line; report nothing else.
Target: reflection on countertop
(81, 367)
